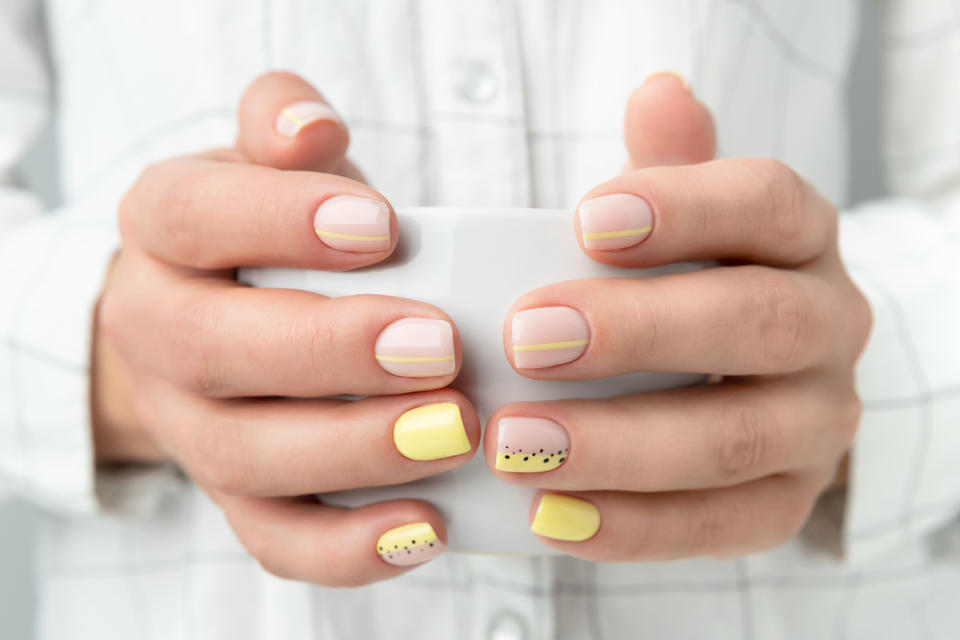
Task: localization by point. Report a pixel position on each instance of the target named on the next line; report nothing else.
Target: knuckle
(743, 445)
(194, 324)
(321, 341)
(782, 314)
(261, 546)
(706, 524)
(128, 208)
(176, 231)
(861, 322)
(110, 317)
(793, 519)
(851, 412)
(218, 458)
(787, 193)
(638, 311)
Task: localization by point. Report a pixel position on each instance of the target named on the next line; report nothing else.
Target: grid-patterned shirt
(503, 103)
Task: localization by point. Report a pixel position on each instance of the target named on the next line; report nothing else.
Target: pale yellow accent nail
(545, 346)
(431, 432)
(565, 518)
(617, 234)
(347, 236)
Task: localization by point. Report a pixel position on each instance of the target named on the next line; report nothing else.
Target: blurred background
(18, 520)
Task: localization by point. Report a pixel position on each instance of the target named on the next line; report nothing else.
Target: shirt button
(507, 625)
(477, 83)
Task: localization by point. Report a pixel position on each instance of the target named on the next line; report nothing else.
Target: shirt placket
(471, 99)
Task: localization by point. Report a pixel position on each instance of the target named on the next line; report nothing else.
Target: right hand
(229, 381)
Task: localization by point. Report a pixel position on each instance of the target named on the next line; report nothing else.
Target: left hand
(715, 469)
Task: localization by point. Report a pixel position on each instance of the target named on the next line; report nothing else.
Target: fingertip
(285, 123)
(665, 124)
(403, 534)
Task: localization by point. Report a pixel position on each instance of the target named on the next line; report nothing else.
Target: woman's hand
(715, 469)
(190, 366)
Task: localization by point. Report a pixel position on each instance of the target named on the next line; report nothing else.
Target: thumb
(666, 125)
(285, 123)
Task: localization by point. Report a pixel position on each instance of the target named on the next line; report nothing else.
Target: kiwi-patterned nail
(410, 544)
(529, 445)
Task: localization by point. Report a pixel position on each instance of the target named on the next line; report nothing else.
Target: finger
(231, 341)
(204, 214)
(273, 447)
(300, 539)
(750, 209)
(615, 526)
(698, 438)
(665, 124)
(287, 124)
(729, 320)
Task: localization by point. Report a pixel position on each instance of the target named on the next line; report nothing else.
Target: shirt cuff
(51, 272)
(903, 482)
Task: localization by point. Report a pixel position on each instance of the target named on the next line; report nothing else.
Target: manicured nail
(410, 544)
(431, 432)
(294, 117)
(670, 73)
(416, 348)
(614, 222)
(352, 223)
(548, 336)
(565, 518)
(529, 445)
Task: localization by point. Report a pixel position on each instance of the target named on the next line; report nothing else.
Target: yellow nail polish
(431, 432)
(565, 518)
(410, 544)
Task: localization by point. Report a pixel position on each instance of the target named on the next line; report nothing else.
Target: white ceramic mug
(474, 263)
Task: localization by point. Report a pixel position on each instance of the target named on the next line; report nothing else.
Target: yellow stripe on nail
(616, 234)
(292, 117)
(346, 236)
(546, 346)
(414, 358)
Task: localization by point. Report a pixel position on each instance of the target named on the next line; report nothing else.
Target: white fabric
(483, 103)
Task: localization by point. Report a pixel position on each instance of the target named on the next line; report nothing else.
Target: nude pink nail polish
(294, 117)
(614, 222)
(353, 223)
(416, 348)
(548, 336)
(530, 445)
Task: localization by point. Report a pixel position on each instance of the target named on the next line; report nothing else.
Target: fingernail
(565, 518)
(352, 223)
(294, 117)
(669, 73)
(431, 432)
(614, 222)
(416, 348)
(548, 336)
(410, 544)
(529, 445)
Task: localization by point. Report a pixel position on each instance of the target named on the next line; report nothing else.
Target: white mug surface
(474, 263)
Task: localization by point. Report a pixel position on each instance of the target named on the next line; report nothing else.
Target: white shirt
(483, 103)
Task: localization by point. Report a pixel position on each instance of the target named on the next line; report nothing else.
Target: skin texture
(189, 366)
(723, 468)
